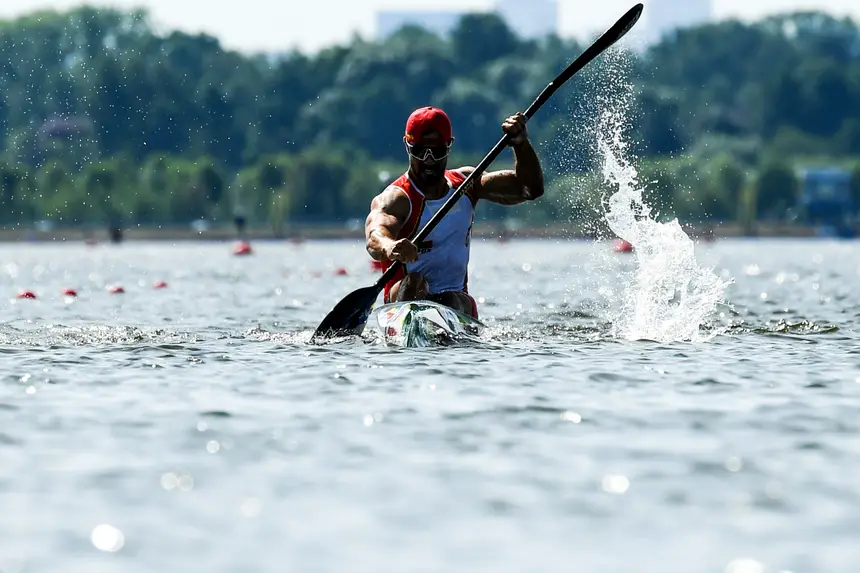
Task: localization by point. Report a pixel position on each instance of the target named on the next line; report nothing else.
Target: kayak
(423, 323)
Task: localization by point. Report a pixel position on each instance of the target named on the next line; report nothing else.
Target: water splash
(91, 335)
(670, 297)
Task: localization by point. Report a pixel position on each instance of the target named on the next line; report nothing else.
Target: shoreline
(341, 232)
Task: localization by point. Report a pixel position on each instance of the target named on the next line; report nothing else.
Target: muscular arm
(513, 186)
(388, 213)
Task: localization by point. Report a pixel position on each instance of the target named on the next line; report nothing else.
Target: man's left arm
(522, 183)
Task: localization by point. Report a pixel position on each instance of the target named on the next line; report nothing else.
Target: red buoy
(70, 292)
(26, 294)
(159, 284)
(243, 248)
(116, 289)
(622, 246)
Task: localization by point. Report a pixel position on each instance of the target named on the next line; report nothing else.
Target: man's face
(428, 157)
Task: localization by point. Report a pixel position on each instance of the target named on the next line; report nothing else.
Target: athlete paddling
(437, 269)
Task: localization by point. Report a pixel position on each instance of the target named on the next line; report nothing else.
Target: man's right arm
(388, 213)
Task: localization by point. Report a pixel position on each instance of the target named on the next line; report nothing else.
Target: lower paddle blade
(349, 316)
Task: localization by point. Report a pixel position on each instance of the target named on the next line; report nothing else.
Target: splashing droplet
(670, 296)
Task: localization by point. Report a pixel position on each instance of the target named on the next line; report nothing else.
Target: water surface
(193, 428)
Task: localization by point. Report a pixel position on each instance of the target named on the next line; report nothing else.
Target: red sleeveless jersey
(459, 219)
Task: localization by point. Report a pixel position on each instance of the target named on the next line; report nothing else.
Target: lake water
(194, 428)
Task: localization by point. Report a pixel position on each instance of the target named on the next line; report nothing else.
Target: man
(437, 268)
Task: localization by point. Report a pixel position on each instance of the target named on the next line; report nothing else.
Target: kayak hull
(424, 323)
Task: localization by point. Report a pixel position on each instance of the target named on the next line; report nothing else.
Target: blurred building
(664, 16)
(826, 199)
(528, 18)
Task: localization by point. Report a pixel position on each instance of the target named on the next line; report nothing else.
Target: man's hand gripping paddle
(349, 316)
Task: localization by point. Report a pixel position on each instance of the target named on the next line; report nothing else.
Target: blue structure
(826, 200)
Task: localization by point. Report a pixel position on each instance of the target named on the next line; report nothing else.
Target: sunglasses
(436, 152)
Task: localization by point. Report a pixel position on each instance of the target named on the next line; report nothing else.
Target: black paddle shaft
(610, 37)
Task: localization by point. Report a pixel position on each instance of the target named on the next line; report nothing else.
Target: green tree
(479, 39)
(173, 126)
(730, 177)
(16, 194)
(279, 210)
(318, 180)
(776, 190)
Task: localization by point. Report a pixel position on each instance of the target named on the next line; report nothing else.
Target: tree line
(104, 120)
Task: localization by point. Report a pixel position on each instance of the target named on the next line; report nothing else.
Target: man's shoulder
(401, 181)
(394, 190)
(392, 197)
(465, 172)
(398, 186)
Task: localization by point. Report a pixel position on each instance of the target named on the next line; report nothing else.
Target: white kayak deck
(423, 323)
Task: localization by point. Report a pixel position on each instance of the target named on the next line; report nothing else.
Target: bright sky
(273, 25)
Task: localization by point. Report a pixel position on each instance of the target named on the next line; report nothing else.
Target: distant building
(527, 18)
(664, 16)
(826, 198)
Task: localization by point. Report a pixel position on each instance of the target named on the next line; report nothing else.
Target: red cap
(427, 119)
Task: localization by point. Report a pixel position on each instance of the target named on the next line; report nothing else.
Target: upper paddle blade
(349, 316)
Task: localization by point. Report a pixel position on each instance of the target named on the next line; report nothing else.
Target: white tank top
(443, 258)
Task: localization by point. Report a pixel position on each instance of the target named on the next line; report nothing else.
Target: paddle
(350, 314)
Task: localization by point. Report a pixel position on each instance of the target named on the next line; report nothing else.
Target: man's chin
(432, 175)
